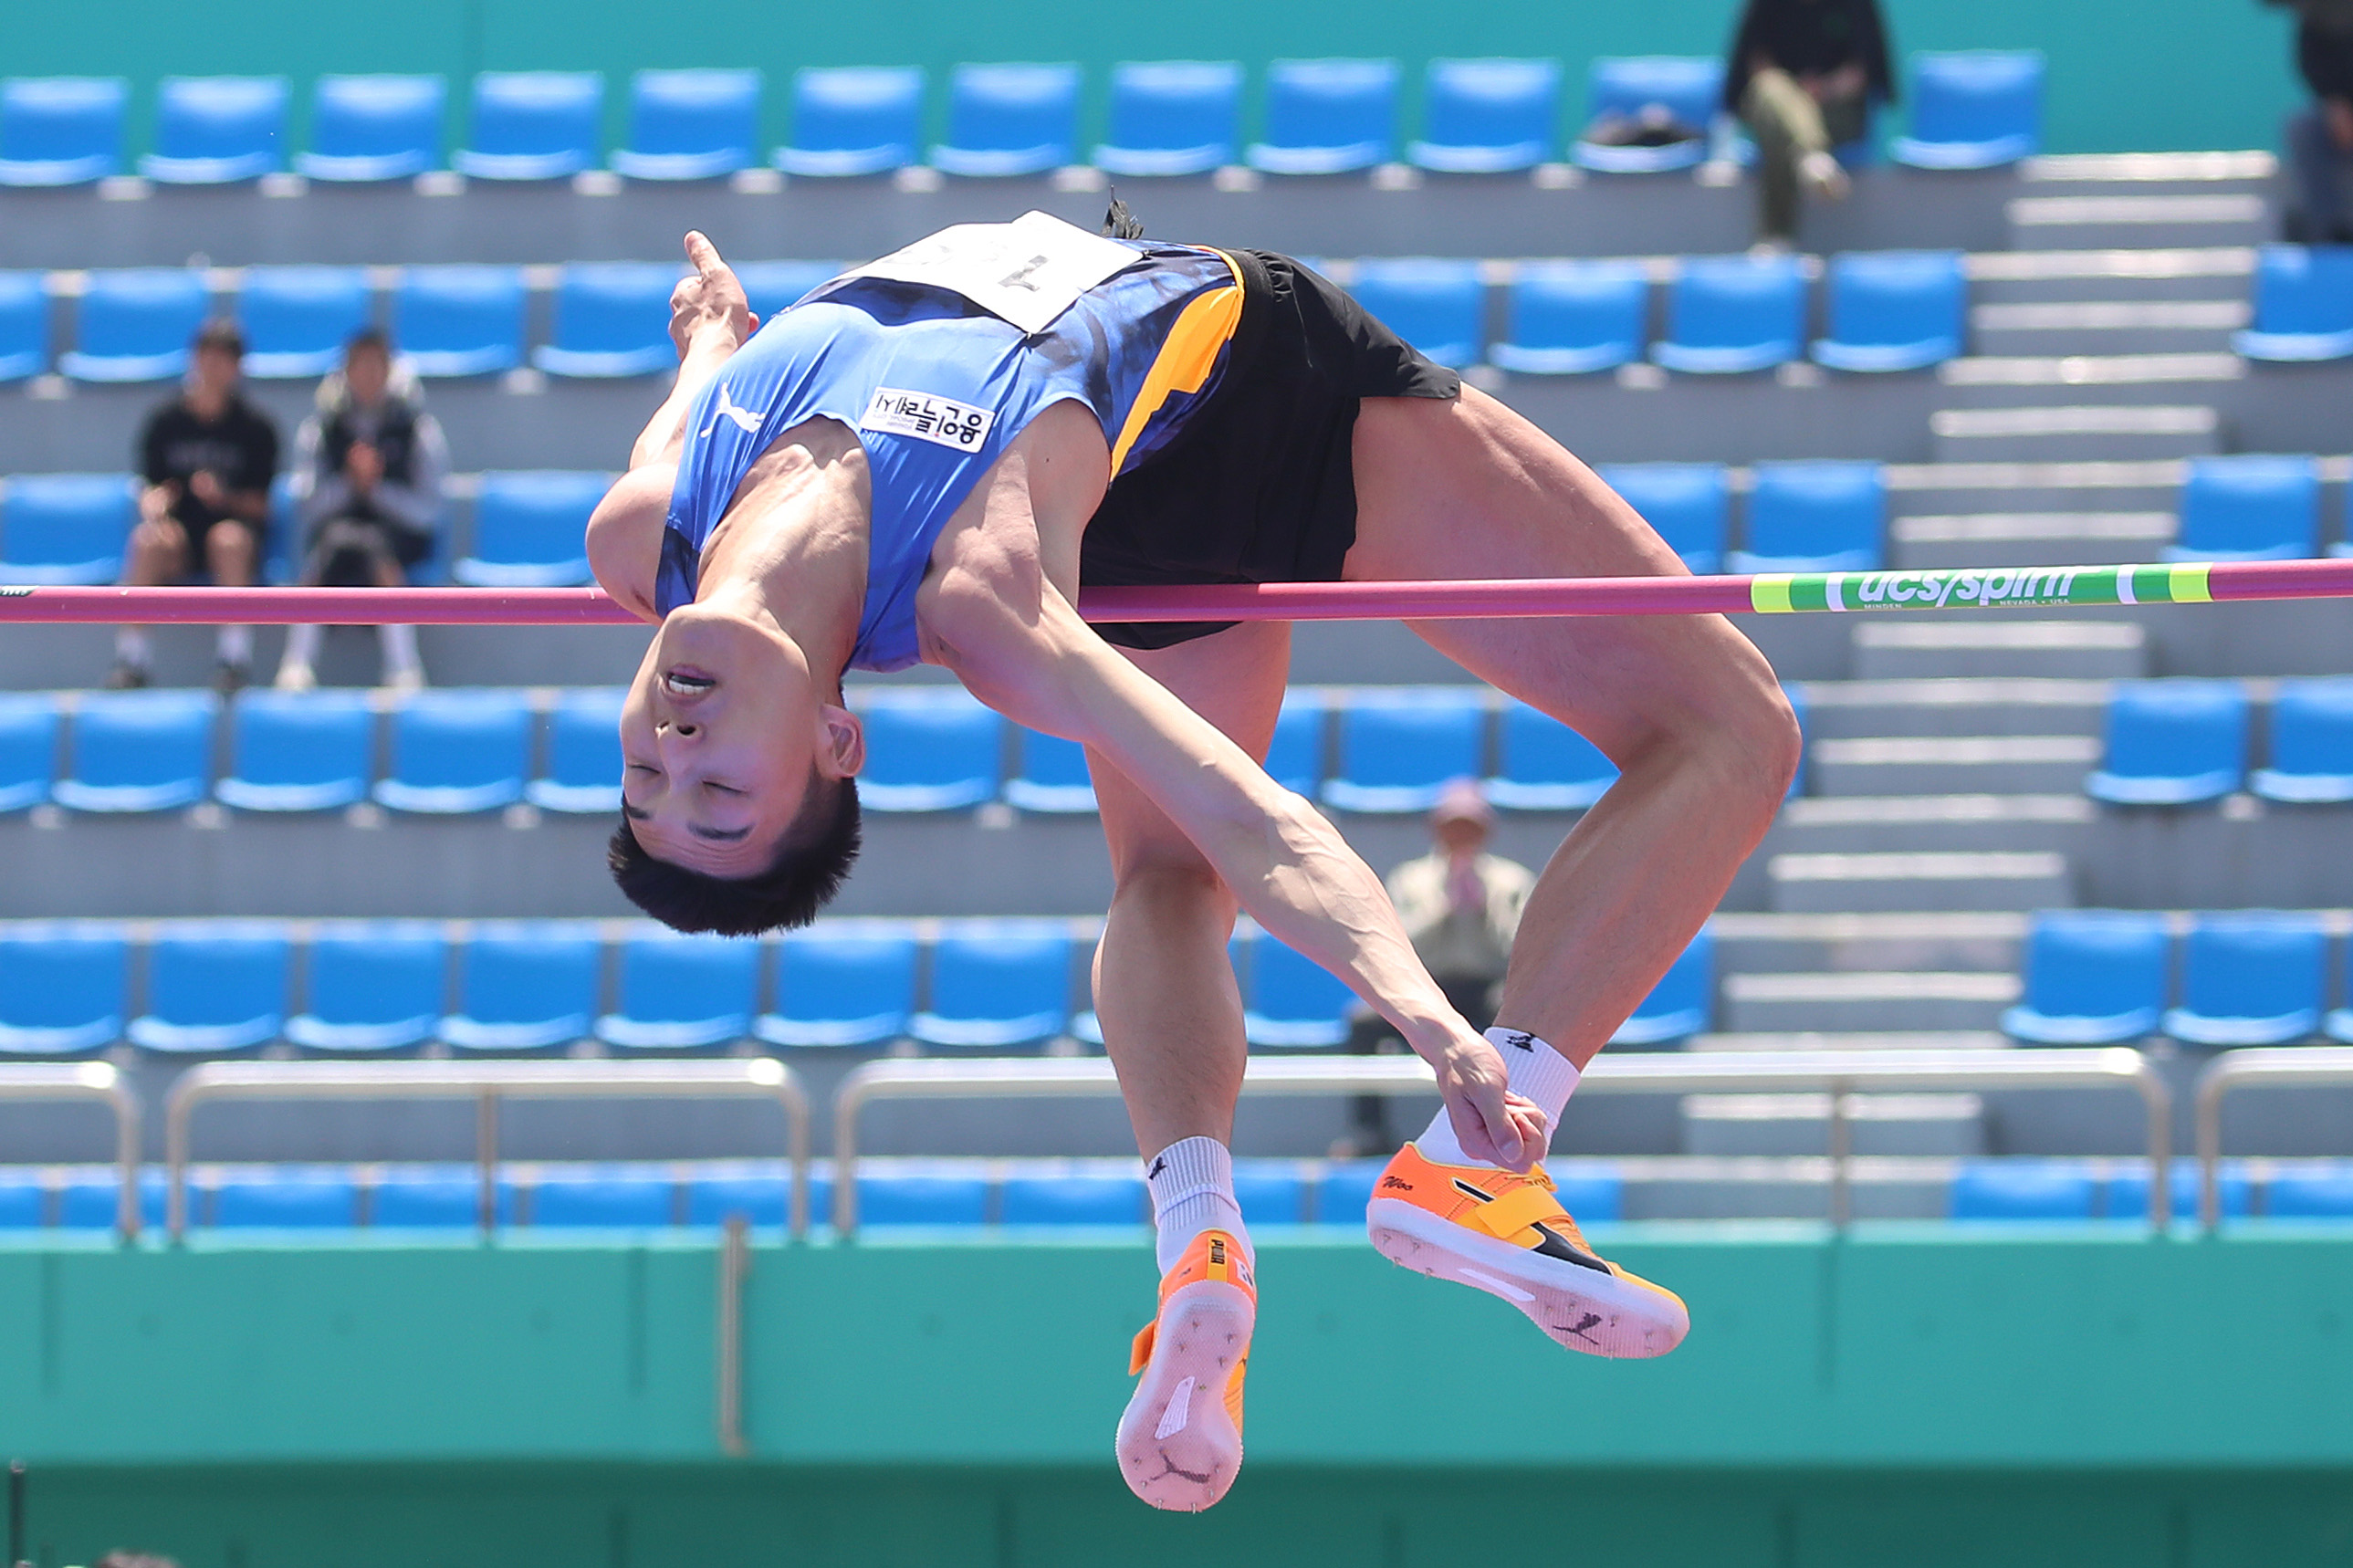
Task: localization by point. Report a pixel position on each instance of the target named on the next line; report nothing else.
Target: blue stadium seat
(216, 987)
(1895, 309)
(1399, 749)
(2310, 1194)
(2253, 977)
(997, 984)
(28, 748)
(1327, 117)
(217, 130)
(1345, 1191)
(774, 286)
(2031, 1190)
(297, 319)
(458, 751)
(2093, 977)
(683, 992)
(854, 120)
(64, 528)
(365, 127)
(1071, 1198)
(1688, 505)
(2311, 742)
(1172, 117)
(293, 1198)
(136, 324)
(2172, 742)
(612, 319)
(691, 124)
(458, 320)
(91, 1201)
(23, 325)
(921, 1197)
(1271, 1191)
(584, 753)
(1815, 517)
(140, 751)
(1682, 1001)
(532, 125)
(1295, 757)
(435, 1197)
(1662, 90)
(1437, 306)
(1010, 120)
(1977, 108)
(525, 985)
(377, 986)
(1546, 766)
(531, 530)
(1592, 1191)
(1796, 698)
(61, 130)
(23, 1202)
(1727, 315)
(929, 752)
(761, 1194)
(2303, 304)
(63, 989)
(1291, 1002)
(312, 751)
(838, 986)
(1487, 115)
(1572, 318)
(619, 1197)
(2248, 507)
(1049, 776)
(2128, 1191)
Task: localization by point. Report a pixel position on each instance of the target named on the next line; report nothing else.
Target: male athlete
(926, 457)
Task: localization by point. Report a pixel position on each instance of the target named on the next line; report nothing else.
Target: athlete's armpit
(625, 537)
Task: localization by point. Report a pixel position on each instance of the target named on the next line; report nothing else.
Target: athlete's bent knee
(1179, 885)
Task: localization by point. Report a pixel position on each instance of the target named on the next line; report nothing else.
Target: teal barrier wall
(2125, 74)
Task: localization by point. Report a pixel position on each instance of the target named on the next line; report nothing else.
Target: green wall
(2125, 74)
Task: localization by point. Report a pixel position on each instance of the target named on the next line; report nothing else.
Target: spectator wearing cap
(369, 464)
(2320, 138)
(1802, 76)
(206, 457)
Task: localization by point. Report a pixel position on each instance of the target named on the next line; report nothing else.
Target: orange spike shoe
(1180, 1441)
(1506, 1234)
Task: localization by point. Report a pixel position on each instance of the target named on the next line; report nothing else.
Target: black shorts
(1259, 486)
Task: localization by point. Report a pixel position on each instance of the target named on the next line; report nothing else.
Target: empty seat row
(2258, 977)
(2184, 742)
(506, 986)
(2080, 1190)
(1170, 117)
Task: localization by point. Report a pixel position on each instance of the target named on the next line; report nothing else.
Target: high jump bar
(1772, 593)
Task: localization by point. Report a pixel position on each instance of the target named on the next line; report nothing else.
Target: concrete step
(2149, 173)
(1763, 943)
(2028, 539)
(1765, 1187)
(2045, 381)
(2044, 276)
(1866, 1040)
(2112, 432)
(1843, 1000)
(1733, 1126)
(1870, 825)
(2005, 879)
(2199, 220)
(2107, 326)
(1846, 710)
(1950, 765)
(2083, 649)
(1953, 489)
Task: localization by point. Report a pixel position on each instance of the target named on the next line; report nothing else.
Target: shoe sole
(1578, 1308)
(1177, 1448)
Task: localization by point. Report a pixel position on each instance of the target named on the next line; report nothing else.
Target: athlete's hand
(1494, 1125)
(711, 300)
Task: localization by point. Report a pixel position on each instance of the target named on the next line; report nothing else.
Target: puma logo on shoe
(1579, 1328)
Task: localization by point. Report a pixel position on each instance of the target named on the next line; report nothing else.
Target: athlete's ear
(844, 751)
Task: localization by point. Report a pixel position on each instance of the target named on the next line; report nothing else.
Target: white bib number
(1028, 271)
(927, 416)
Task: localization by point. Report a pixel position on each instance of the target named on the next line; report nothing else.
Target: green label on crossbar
(1999, 588)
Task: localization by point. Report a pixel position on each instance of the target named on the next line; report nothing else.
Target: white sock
(399, 646)
(301, 647)
(1192, 1187)
(131, 647)
(1536, 1072)
(236, 644)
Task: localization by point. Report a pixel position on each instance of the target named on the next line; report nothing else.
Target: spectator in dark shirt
(207, 457)
(368, 470)
(2320, 138)
(1803, 75)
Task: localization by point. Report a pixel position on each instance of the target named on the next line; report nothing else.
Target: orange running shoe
(1180, 1441)
(1506, 1234)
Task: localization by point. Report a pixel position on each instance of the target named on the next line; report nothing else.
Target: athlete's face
(722, 733)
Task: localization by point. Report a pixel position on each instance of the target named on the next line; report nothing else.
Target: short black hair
(370, 337)
(222, 333)
(809, 868)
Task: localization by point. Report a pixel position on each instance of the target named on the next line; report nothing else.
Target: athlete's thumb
(701, 252)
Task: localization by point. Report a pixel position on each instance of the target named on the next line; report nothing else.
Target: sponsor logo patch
(927, 416)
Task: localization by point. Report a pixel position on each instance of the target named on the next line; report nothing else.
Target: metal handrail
(1841, 1073)
(2302, 1066)
(89, 1081)
(486, 1083)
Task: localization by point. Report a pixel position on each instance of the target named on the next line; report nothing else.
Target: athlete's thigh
(1234, 678)
(1469, 489)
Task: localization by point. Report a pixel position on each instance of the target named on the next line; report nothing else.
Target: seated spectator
(207, 457)
(2320, 138)
(369, 466)
(1803, 76)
